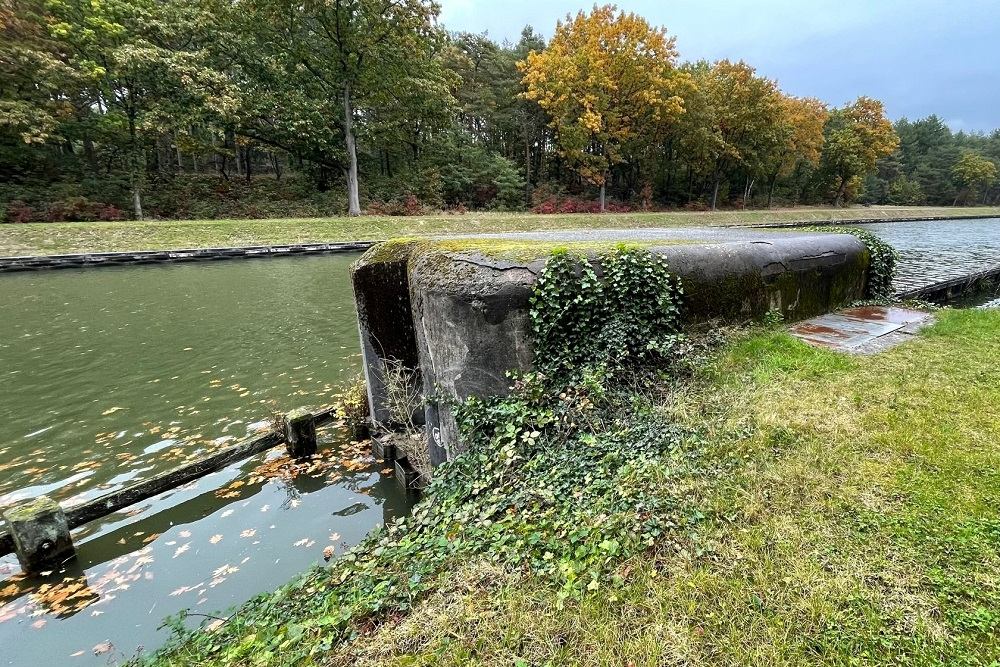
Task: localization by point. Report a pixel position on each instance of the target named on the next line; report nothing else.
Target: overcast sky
(918, 56)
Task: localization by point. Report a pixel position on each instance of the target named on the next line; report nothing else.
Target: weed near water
(783, 505)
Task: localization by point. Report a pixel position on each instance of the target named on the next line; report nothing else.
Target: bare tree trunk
(770, 189)
(715, 188)
(603, 187)
(840, 192)
(527, 169)
(353, 199)
(136, 202)
(137, 165)
(90, 153)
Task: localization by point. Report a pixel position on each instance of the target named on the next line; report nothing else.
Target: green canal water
(110, 376)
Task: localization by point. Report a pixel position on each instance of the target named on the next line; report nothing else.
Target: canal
(110, 376)
(933, 251)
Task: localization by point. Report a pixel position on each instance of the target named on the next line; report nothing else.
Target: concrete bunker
(456, 312)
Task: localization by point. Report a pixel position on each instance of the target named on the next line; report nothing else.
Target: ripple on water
(96, 374)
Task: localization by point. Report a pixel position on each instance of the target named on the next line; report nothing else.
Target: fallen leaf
(39, 624)
(327, 553)
(215, 539)
(182, 548)
(103, 647)
(249, 532)
(111, 411)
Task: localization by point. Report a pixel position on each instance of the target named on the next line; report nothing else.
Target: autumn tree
(974, 173)
(743, 115)
(799, 131)
(604, 78)
(856, 137)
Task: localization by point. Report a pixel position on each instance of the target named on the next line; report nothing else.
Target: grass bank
(58, 238)
(790, 505)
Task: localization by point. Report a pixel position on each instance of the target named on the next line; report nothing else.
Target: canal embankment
(38, 239)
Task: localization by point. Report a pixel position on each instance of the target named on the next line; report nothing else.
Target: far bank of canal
(111, 376)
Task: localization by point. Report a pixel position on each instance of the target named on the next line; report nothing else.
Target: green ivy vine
(579, 320)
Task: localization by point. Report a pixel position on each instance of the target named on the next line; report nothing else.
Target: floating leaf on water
(111, 411)
(215, 539)
(182, 548)
(102, 648)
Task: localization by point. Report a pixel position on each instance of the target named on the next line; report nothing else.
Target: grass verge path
(72, 237)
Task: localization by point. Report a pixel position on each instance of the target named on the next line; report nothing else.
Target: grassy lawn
(56, 238)
(817, 509)
(860, 525)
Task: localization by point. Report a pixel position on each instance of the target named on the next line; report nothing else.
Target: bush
(570, 204)
(74, 209)
(352, 408)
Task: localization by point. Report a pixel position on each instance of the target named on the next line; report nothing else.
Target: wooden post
(41, 535)
(300, 433)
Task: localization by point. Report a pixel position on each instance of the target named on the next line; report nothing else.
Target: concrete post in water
(300, 433)
(41, 534)
(384, 447)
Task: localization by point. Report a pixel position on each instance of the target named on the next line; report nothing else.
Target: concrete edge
(101, 259)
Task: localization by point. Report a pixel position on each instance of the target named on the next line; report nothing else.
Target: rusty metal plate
(855, 328)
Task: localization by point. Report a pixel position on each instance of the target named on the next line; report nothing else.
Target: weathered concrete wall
(469, 312)
(385, 320)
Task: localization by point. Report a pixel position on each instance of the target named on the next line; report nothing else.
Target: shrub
(18, 212)
(352, 408)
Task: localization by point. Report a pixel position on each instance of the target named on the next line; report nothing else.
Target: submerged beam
(114, 501)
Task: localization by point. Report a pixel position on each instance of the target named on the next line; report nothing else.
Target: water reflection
(112, 376)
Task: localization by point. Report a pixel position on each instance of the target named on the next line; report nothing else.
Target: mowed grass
(72, 237)
(860, 524)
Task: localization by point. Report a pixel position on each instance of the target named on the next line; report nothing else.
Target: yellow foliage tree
(745, 109)
(605, 78)
(800, 133)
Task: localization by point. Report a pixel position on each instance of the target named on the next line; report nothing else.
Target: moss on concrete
(28, 510)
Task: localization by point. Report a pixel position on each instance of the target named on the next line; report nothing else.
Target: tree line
(115, 107)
